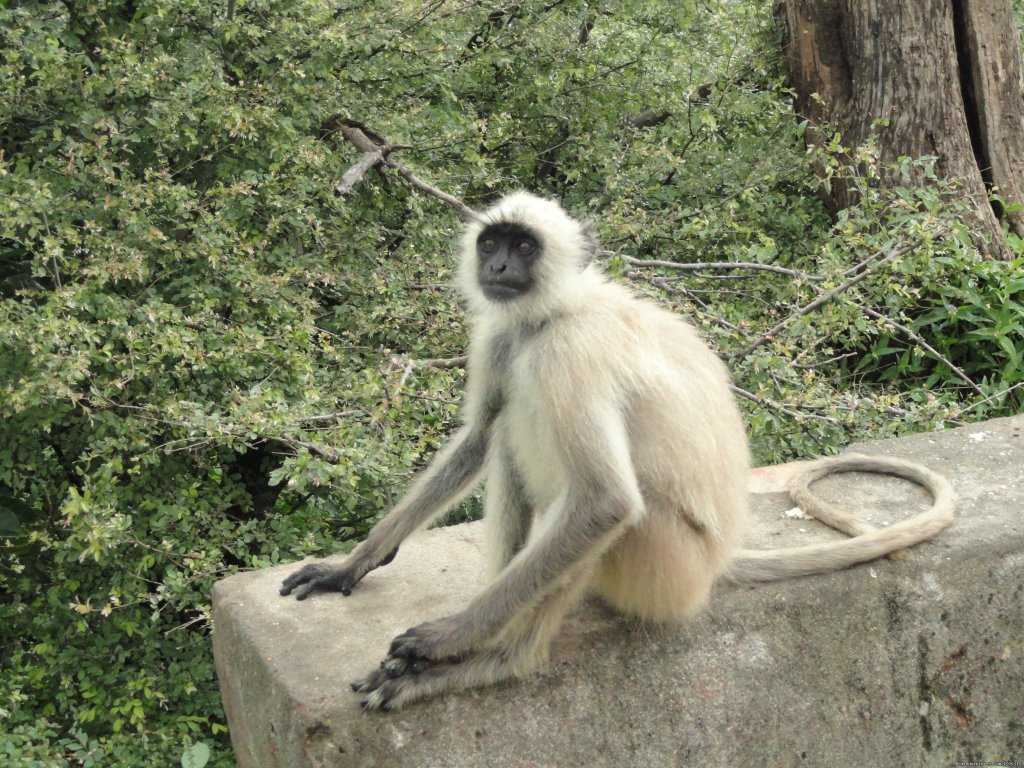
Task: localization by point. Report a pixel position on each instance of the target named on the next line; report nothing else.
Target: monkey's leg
(447, 480)
(573, 535)
(600, 501)
(520, 648)
(508, 513)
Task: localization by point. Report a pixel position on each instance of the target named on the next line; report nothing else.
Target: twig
(663, 284)
(445, 362)
(991, 397)
(223, 430)
(700, 266)
(467, 213)
(376, 151)
(922, 343)
(441, 362)
(407, 364)
(763, 401)
(869, 264)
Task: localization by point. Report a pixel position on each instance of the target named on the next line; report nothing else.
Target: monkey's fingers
(314, 577)
(383, 683)
(398, 682)
(389, 669)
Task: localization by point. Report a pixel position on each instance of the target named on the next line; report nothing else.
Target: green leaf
(195, 756)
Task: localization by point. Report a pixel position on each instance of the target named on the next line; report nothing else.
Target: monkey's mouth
(503, 292)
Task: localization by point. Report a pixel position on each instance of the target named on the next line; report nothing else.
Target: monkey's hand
(317, 576)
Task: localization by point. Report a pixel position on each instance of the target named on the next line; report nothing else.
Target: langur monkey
(615, 462)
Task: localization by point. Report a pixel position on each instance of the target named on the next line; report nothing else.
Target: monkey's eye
(524, 247)
(489, 244)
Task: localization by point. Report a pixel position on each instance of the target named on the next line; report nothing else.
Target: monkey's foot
(435, 640)
(398, 682)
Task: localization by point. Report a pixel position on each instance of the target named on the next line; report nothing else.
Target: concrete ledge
(916, 662)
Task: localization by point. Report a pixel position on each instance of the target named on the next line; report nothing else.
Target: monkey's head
(525, 256)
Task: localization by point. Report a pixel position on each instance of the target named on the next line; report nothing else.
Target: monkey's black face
(506, 254)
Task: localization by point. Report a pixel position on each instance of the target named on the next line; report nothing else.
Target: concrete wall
(910, 663)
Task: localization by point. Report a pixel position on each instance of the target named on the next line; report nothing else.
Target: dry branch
(774, 406)
(355, 174)
(923, 344)
(875, 260)
(467, 213)
(720, 265)
(377, 151)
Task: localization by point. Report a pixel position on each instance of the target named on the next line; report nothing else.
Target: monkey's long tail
(868, 542)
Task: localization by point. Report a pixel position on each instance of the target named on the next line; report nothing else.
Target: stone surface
(916, 662)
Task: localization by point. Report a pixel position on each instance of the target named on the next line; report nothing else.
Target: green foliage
(827, 365)
(208, 359)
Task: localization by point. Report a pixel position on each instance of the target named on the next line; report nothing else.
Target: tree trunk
(945, 75)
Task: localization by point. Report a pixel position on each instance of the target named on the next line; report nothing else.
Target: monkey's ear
(589, 235)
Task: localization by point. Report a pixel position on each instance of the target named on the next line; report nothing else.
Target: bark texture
(945, 74)
(994, 82)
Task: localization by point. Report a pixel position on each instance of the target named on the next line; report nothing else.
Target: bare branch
(664, 285)
(448, 362)
(376, 150)
(876, 260)
(467, 213)
(364, 139)
(443, 362)
(923, 344)
(774, 406)
(406, 365)
(355, 174)
(991, 397)
(712, 265)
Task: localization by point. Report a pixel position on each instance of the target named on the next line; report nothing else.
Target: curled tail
(868, 542)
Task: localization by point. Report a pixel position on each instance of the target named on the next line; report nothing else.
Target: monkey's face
(506, 254)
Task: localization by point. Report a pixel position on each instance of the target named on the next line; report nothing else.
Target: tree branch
(774, 406)
(873, 261)
(407, 364)
(467, 213)
(355, 174)
(700, 266)
(923, 344)
(376, 151)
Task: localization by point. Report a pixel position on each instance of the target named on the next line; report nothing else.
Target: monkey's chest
(533, 446)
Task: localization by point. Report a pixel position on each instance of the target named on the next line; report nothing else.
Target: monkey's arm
(602, 499)
(448, 479)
